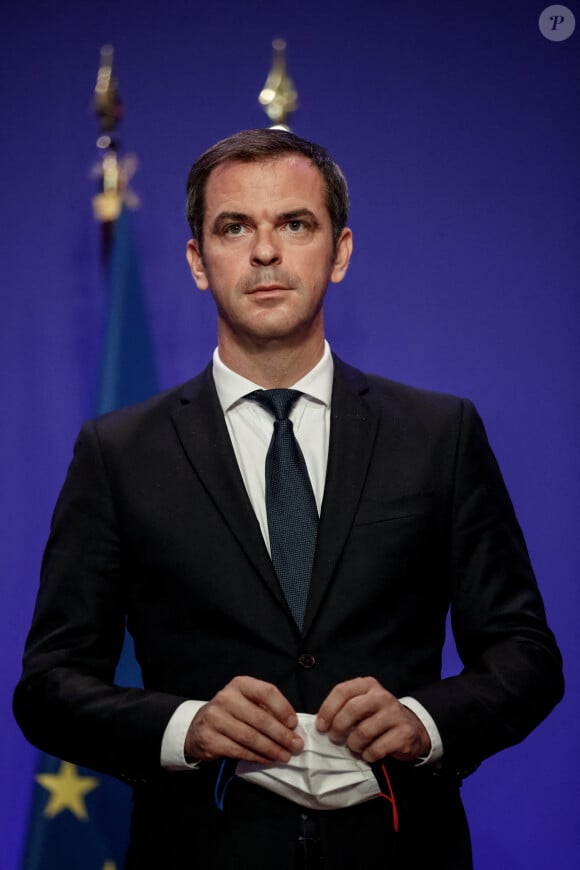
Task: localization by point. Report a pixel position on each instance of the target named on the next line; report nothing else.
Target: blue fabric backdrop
(458, 126)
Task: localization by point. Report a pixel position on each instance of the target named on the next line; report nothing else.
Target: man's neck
(273, 366)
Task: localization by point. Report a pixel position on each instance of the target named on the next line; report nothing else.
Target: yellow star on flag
(67, 790)
(109, 865)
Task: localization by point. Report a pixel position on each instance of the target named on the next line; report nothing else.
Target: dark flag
(128, 373)
(79, 818)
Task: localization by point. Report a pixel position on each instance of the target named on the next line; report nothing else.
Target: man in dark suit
(165, 521)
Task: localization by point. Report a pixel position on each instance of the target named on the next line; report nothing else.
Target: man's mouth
(267, 288)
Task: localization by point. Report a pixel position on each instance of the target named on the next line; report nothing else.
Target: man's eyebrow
(236, 216)
(298, 213)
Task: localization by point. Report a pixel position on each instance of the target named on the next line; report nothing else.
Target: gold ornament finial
(115, 174)
(108, 106)
(278, 97)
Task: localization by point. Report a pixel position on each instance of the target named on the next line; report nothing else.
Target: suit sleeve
(512, 675)
(66, 702)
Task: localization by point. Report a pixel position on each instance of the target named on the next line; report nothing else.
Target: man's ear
(342, 257)
(196, 266)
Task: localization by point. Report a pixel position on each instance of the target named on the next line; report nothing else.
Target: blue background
(458, 127)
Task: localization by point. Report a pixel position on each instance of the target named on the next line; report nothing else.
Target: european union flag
(128, 373)
(80, 818)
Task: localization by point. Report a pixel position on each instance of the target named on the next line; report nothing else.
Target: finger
(366, 731)
(259, 728)
(406, 740)
(250, 741)
(363, 717)
(269, 697)
(250, 705)
(368, 715)
(394, 744)
(235, 714)
(340, 695)
(212, 745)
(215, 732)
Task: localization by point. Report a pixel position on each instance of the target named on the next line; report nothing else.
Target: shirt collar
(231, 387)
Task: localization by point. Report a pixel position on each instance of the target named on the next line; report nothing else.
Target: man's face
(268, 253)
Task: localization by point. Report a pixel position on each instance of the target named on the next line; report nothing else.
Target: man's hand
(249, 720)
(371, 721)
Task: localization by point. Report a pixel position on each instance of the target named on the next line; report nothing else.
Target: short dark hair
(254, 146)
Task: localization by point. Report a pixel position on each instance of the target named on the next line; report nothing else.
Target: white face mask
(322, 776)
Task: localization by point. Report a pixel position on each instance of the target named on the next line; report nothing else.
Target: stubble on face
(268, 256)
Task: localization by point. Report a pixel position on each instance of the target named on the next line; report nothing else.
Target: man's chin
(279, 335)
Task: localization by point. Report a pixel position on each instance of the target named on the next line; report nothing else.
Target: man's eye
(233, 229)
(295, 226)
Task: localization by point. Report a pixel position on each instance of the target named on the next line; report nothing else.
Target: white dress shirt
(250, 428)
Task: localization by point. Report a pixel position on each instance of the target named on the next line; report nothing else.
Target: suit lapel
(353, 432)
(204, 436)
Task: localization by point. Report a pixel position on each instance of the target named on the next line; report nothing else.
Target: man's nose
(266, 248)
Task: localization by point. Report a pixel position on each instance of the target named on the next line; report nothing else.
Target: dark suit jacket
(154, 523)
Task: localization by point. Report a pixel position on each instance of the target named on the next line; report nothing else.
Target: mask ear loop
(217, 794)
(390, 797)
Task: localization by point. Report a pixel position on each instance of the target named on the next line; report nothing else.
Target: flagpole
(113, 173)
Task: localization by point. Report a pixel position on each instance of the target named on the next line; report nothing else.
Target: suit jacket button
(306, 661)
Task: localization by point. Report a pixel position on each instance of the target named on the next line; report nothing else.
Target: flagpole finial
(278, 97)
(107, 103)
(113, 174)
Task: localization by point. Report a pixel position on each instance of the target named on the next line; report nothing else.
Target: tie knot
(279, 402)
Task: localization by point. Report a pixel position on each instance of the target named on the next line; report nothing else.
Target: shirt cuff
(173, 743)
(436, 752)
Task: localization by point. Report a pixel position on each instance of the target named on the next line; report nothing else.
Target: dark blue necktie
(290, 503)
